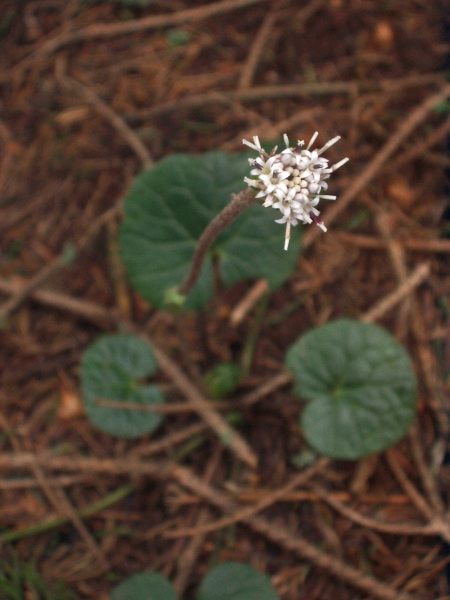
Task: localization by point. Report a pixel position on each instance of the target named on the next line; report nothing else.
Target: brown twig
(436, 396)
(418, 276)
(91, 312)
(298, 90)
(117, 271)
(429, 483)
(421, 148)
(169, 441)
(370, 523)
(270, 131)
(164, 409)
(188, 557)
(296, 496)
(60, 481)
(436, 521)
(25, 290)
(251, 63)
(243, 513)
(113, 118)
(244, 306)
(229, 436)
(293, 542)
(374, 243)
(186, 350)
(415, 117)
(100, 31)
(56, 496)
(267, 388)
(417, 498)
(59, 500)
(53, 267)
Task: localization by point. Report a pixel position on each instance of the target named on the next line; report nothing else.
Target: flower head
(292, 181)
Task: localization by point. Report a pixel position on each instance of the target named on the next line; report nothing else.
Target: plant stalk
(236, 207)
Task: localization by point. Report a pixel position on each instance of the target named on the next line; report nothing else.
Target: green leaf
(222, 380)
(144, 586)
(167, 210)
(109, 371)
(360, 385)
(236, 581)
(178, 37)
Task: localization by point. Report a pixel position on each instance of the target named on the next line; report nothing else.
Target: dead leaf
(400, 191)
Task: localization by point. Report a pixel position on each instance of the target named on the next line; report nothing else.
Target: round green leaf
(144, 586)
(360, 385)
(166, 211)
(110, 370)
(236, 581)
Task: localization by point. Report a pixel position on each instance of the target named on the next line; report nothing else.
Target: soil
(92, 93)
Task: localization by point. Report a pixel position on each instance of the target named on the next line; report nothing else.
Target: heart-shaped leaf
(166, 211)
(236, 581)
(360, 385)
(144, 586)
(110, 371)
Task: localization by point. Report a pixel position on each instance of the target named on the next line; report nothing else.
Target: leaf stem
(236, 207)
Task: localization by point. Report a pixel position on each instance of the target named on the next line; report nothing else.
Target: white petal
(252, 182)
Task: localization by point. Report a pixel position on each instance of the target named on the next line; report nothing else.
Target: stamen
(317, 221)
(313, 139)
(328, 144)
(291, 182)
(339, 164)
(287, 236)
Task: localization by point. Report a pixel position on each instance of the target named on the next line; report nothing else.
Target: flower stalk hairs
(292, 180)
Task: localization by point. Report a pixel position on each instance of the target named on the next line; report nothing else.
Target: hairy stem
(236, 207)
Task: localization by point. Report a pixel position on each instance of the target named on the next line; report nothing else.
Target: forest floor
(92, 93)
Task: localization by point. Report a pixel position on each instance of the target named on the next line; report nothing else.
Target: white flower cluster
(292, 181)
